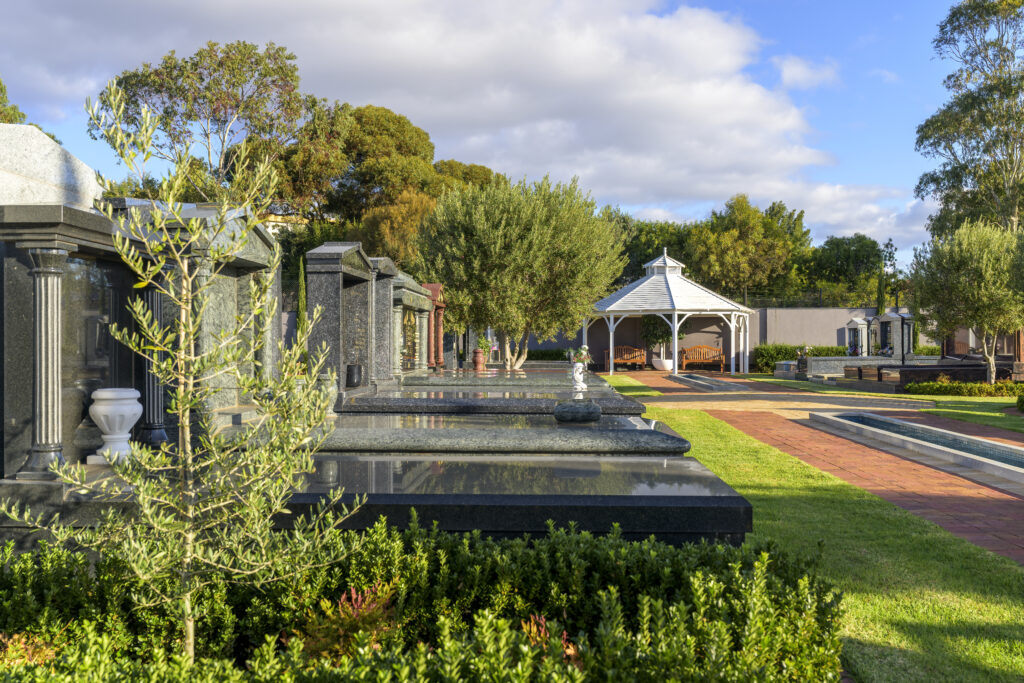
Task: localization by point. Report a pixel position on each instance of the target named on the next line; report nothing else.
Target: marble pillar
(48, 302)
(396, 340)
(421, 340)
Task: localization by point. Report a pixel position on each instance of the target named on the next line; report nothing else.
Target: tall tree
(978, 135)
(646, 241)
(9, 112)
(208, 103)
(393, 230)
(387, 155)
(739, 248)
(846, 259)
(970, 279)
(529, 258)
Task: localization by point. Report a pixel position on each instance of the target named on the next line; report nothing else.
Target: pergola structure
(666, 293)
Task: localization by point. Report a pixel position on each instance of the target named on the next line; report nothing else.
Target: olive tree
(969, 279)
(529, 258)
(202, 506)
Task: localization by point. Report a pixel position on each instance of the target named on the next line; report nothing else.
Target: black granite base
(675, 499)
(610, 403)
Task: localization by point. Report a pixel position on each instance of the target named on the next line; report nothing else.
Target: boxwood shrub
(456, 607)
(766, 355)
(950, 388)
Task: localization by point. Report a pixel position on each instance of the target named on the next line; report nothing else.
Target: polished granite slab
(676, 499)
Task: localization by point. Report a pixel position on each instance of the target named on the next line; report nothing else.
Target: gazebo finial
(665, 252)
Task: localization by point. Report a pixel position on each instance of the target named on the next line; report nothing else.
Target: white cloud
(798, 73)
(655, 112)
(884, 75)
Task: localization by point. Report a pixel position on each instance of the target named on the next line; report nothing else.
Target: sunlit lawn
(986, 410)
(920, 603)
(628, 386)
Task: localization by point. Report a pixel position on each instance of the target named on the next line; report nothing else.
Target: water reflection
(480, 421)
(515, 475)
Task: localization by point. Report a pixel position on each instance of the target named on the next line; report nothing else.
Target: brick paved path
(982, 515)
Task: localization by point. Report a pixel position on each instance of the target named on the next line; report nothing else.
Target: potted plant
(655, 332)
(480, 353)
(579, 358)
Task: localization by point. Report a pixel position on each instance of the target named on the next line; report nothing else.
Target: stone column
(421, 340)
(439, 335)
(396, 340)
(48, 302)
(431, 339)
(153, 432)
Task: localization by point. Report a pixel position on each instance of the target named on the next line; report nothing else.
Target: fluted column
(396, 340)
(153, 431)
(439, 336)
(48, 302)
(431, 344)
(421, 340)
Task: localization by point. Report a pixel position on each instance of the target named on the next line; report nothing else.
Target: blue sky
(664, 109)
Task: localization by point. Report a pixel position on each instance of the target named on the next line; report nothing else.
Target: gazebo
(666, 293)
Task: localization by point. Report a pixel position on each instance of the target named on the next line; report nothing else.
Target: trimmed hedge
(546, 354)
(766, 355)
(928, 350)
(950, 388)
(454, 603)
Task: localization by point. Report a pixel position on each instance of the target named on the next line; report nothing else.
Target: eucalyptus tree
(529, 258)
(201, 508)
(970, 279)
(978, 135)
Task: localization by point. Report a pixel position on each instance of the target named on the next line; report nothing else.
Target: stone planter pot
(479, 360)
(115, 412)
(662, 364)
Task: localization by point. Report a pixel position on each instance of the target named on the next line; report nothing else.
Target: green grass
(920, 604)
(628, 386)
(985, 410)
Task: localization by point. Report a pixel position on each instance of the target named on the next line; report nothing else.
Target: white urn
(115, 412)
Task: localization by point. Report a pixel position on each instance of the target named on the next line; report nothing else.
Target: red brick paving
(982, 515)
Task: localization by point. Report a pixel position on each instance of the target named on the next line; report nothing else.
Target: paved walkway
(982, 514)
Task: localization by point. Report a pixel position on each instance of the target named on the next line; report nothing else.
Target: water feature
(982, 454)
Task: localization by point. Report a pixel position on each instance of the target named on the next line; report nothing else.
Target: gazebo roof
(663, 290)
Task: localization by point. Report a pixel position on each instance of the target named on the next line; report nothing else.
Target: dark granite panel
(355, 321)
(383, 329)
(324, 290)
(17, 358)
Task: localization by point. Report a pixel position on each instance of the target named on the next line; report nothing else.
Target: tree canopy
(208, 103)
(970, 279)
(528, 258)
(9, 112)
(978, 135)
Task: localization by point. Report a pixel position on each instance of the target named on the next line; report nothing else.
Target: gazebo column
(675, 342)
(732, 344)
(612, 324)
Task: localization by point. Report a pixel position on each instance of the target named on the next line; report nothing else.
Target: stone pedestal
(48, 295)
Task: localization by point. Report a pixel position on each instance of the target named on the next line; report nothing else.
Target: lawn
(986, 410)
(627, 386)
(920, 604)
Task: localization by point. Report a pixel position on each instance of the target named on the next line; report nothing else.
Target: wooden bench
(703, 354)
(628, 355)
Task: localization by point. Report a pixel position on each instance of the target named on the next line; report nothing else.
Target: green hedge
(766, 355)
(928, 350)
(950, 388)
(1020, 402)
(546, 354)
(458, 603)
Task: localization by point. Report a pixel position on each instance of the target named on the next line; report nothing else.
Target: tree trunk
(988, 349)
(523, 350)
(190, 627)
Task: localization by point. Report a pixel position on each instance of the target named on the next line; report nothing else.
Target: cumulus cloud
(798, 73)
(654, 111)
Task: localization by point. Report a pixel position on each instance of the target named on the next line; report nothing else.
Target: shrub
(648, 606)
(946, 387)
(546, 354)
(1020, 402)
(928, 350)
(766, 355)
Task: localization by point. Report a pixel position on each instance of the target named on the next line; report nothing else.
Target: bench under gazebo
(666, 293)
